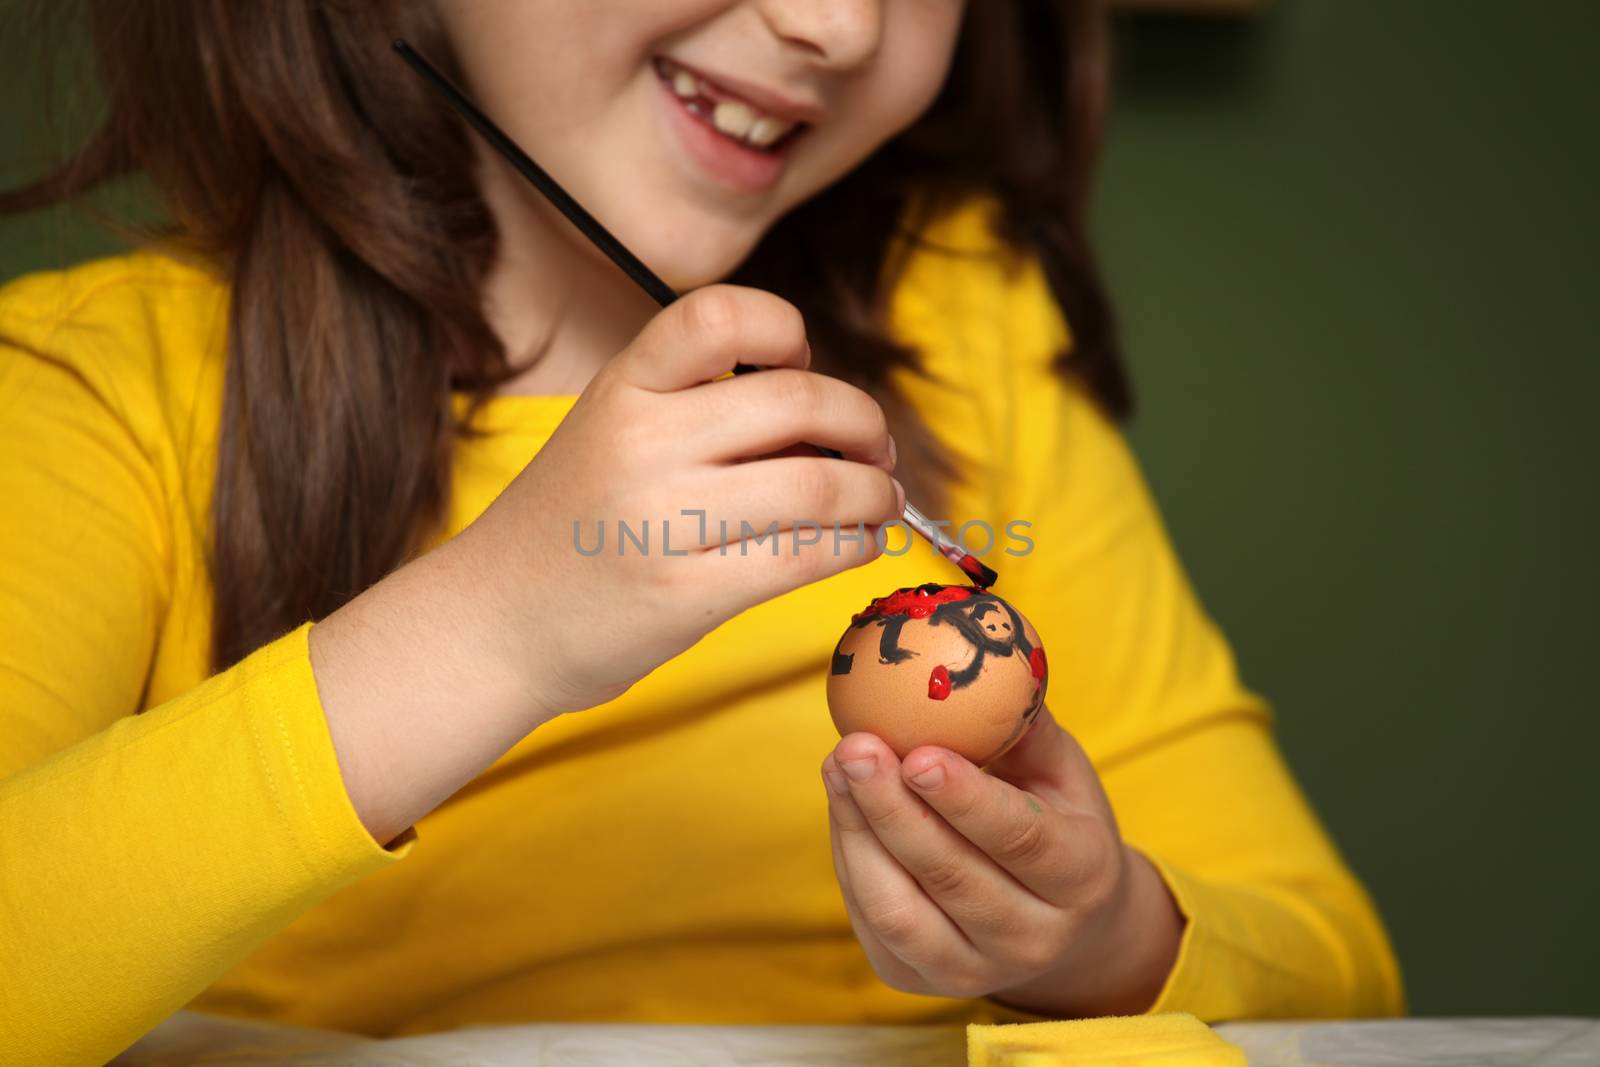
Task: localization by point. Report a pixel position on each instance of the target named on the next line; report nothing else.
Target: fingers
(891, 968)
(703, 335)
(792, 491)
(890, 903)
(986, 902)
(756, 414)
(1048, 760)
(802, 519)
(1055, 853)
(777, 561)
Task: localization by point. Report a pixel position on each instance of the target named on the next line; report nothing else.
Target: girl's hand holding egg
(1015, 883)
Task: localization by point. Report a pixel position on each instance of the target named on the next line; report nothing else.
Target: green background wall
(1357, 250)
(1354, 244)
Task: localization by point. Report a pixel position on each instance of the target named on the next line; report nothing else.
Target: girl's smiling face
(688, 127)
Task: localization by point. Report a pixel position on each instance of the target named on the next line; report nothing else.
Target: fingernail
(859, 769)
(894, 452)
(900, 496)
(932, 778)
(836, 784)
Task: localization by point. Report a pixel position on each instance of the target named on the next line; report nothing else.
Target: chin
(685, 278)
(692, 263)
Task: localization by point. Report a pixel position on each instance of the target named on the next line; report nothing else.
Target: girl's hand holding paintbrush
(532, 627)
(654, 435)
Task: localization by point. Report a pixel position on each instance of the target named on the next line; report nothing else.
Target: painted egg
(947, 665)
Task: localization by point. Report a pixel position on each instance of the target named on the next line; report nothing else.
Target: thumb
(1048, 761)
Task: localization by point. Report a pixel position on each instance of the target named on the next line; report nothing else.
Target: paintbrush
(982, 576)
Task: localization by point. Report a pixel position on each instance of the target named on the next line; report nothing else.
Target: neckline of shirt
(536, 413)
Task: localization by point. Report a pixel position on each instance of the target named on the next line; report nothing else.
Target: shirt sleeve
(1276, 925)
(141, 854)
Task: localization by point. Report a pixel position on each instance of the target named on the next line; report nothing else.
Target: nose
(837, 33)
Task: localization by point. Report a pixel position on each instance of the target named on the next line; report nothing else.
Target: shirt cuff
(1177, 992)
(1231, 958)
(296, 751)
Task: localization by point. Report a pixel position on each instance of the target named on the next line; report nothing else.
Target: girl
(314, 711)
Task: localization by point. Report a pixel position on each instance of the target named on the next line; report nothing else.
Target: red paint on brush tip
(917, 602)
(939, 683)
(982, 576)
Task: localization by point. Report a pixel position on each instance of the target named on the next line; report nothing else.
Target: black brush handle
(631, 265)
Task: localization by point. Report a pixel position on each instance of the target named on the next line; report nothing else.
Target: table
(192, 1038)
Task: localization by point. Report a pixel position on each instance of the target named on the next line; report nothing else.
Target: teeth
(685, 84)
(766, 130)
(738, 120)
(733, 118)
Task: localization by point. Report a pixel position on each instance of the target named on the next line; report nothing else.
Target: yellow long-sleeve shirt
(662, 858)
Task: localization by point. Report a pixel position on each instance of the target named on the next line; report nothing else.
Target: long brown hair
(338, 199)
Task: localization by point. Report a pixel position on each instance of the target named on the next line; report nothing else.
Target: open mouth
(723, 111)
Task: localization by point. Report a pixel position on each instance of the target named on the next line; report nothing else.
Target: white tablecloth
(189, 1038)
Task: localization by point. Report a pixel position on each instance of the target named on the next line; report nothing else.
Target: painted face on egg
(947, 665)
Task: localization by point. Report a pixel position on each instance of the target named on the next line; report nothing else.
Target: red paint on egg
(916, 603)
(939, 683)
(1037, 664)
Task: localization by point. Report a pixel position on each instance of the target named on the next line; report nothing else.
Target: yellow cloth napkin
(1172, 1040)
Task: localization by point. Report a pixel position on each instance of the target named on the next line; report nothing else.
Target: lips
(739, 117)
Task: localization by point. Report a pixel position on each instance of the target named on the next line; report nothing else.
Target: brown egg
(947, 665)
